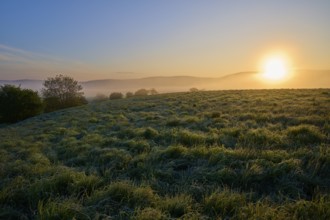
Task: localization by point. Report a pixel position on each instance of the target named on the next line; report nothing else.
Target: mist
(242, 80)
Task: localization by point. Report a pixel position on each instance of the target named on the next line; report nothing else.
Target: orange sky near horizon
(102, 40)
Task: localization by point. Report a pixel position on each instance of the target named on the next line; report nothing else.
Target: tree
(116, 95)
(153, 91)
(129, 94)
(193, 90)
(141, 92)
(62, 92)
(18, 104)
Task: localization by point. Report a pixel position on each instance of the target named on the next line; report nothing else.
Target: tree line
(58, 92)
(118, 95)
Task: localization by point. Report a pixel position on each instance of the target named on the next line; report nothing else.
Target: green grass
(254, 154)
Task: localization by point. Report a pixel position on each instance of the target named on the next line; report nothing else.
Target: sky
(131, 39)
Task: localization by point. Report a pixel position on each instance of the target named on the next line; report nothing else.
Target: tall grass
(257, 154)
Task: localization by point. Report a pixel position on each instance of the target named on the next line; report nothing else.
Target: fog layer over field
(242, 80)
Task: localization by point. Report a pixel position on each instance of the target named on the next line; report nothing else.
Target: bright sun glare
(275, 68)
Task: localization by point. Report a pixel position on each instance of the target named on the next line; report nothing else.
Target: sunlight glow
(275, 68)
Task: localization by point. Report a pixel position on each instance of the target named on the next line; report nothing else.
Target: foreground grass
(207, 155)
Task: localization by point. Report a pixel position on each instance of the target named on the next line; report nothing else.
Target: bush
(17, 104)
(62, 92)
(116, 95)
(193, 90)
(129, 94)
(141, 92)
(153, 91)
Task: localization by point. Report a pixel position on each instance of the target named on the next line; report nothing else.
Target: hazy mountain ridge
(241, 80)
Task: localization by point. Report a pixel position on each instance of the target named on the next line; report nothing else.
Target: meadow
(240, 154)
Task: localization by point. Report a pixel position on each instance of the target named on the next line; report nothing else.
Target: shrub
(129, 94)
(17, 104)
(116, 95)
(141, 92)
(153, 91)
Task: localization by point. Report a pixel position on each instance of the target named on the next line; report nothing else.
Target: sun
(275, 68)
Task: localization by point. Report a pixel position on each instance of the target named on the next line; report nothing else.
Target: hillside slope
(257, 154)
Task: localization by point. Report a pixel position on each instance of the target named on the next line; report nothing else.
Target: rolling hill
(243, 80)
(247, 154)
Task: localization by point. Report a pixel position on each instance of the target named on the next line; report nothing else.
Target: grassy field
(254, 154)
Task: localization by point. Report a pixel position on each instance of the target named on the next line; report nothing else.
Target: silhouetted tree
(141, 92)
(17, 104)
(62, 92)
(116, 95)
(129, 94)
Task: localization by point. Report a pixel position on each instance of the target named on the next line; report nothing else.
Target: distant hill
(161, 84)
(299, 79)
(242, 80)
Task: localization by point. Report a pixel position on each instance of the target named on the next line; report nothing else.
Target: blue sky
(130, 38)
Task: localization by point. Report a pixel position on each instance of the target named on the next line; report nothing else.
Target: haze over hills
(242, 80)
